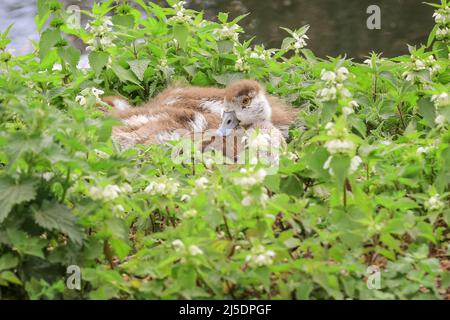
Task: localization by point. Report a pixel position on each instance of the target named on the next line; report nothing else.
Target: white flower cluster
(339, 143)
(162, 186)
(85, 93)
(441, 100)
(101, 30)
(192, 250)
(181, 15)
(442, 16)
(251, 177)
(110, 192)
(248, 200)
(259, 52)
(260, 256)
(258, 141)
(350, 108)
(416, 65)
(340, 146)
(241, 64)
(201, 183)
(442, 19)
(434, 203)
(227, 33)
(334, 86)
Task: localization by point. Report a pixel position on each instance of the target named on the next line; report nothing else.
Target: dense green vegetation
(365, 181)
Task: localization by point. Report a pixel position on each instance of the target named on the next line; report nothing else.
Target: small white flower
(347, 110)
(81, 100)
(441, 100)
(195, 251)
(111, 192)
(327, 163)
(178, 245)
(442, 33)
(353, 104)
(292, 156)
(342, 74)
(260, 256)
(368, 62)
(209, 162)
(162, 186)
(327, 94)
(247, 201)
(190, 213)
(354, 164)
(421, 150)
(118, 208)
(434, 203)
(340, 146)
(126, 188)
(440, 120)
(185, 198)
(101, 154)
(47, 176)
(328, 76)
(201, 183)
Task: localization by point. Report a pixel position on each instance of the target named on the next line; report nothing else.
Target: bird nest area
(94, 204)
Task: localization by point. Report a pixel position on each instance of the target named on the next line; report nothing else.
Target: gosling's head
(248, 100)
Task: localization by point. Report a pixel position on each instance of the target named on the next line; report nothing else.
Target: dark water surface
(337, 26)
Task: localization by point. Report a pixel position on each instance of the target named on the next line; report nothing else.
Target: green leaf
(138, 67)
(123, 20)
(48, 39)
(97, 60)
(427, 111)
(12, 194)
(70, 55)
(124, 74)
(226, 78)
(10, 277)
(181, 33)
(26, 244)
(225, 46)
(200, 79)
(55, 216)
(8, 261)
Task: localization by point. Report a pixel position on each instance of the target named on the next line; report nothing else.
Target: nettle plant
(365, 181)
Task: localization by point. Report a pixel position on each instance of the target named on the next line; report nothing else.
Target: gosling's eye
(245, 101)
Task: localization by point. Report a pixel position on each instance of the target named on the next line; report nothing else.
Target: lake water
(337, 26)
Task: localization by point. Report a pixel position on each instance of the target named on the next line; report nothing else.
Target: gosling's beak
(229, 123)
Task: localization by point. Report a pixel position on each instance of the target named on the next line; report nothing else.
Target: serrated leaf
(26, 244)
(8, 261)
(227, 78)
(427, 111)
(124, 74)
(138, 67)
(12, 194)
(97, 60)
(55, 216)
(48, 39)
(70, 55)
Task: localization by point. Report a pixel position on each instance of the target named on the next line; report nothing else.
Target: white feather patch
(213, 106)
(199, 124)
(120, 104)
(140, 119)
